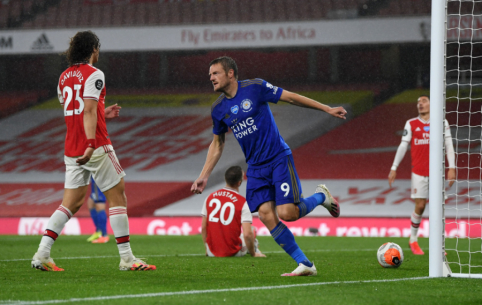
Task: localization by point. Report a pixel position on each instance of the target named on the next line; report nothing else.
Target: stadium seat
(51, 17)
(153, 13)
(141, 14)
(175, 13)
(96, 17)
(3, 16)
(129, 13)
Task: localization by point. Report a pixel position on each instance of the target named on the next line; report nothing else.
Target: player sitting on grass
(417, 133)
(88, 151)
(96, 205)
(273, 188)
(224, 212)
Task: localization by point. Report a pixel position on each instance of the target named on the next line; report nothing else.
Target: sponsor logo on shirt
(274, 88)
(405, 132)
(247, 105)
(244, 128)
(235, 109)
(424, 141)
(426, 128)
(42, 44)
(98, 84)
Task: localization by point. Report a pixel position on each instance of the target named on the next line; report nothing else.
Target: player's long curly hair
(81, 47)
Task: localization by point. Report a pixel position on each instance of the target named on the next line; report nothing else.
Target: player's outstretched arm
(112, 111)
(214, 154)
(303, 101)
(90, 126)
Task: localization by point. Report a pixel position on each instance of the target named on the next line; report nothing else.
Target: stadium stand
(18, 100)
(110, 13)
(159, 151)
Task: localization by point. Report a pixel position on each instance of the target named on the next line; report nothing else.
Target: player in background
(224, 212)
(88, 151)
(417, 133)
(273, 187)
(96, 205)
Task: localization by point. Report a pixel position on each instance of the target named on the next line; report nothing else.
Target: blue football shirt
(248, 115)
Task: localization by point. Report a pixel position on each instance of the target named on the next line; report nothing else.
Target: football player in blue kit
(273, 188)
(96, 205)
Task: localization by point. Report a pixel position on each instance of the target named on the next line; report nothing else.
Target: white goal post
(456, 91)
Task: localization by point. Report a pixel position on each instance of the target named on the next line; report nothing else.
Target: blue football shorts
(96, 193)
(276, 181)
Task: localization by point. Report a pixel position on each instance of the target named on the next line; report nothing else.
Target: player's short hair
(81, 47)
(228, 63)
(233, 175)
(423, 95)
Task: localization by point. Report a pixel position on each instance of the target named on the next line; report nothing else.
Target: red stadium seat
(117, 15)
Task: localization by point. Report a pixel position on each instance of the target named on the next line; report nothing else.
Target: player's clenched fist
(338, 112)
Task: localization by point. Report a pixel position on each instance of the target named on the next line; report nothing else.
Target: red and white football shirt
(79, 82)
(417, 133)
(225, 210)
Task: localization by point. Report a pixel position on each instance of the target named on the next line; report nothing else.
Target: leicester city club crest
(235, 109)
(246, 105)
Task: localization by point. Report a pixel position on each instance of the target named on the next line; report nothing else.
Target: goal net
(463, 111)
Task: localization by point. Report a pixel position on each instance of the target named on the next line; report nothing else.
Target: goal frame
(438, 267)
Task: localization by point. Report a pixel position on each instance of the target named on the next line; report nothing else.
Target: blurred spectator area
(13, 101)
(112, 13)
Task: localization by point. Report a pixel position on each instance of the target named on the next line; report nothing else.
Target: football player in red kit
(224, 213)
(417, 134)
(88, 152)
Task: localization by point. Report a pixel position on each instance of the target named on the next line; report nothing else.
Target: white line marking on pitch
(187, 292)
(173, 255)
(192, 254)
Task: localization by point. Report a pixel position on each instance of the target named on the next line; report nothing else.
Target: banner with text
(308, 226)
(226, 36)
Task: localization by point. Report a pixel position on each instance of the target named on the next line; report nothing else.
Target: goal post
(437, 158)
(455, 219)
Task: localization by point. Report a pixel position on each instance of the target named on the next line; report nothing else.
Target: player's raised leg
(71, 203)
(289, 195)
(283, 236)
(120, 225)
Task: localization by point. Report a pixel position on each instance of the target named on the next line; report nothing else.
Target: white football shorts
(419, 186)
(103, 166)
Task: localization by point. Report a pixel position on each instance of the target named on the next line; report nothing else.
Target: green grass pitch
(348, 273)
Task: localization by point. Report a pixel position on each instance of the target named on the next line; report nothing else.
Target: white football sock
(54, 227)
(120, 225)
(416, 220)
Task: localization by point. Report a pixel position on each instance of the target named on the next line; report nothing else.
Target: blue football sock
(93, 215)
(283, 236)
(309, 204)
(102, 222)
